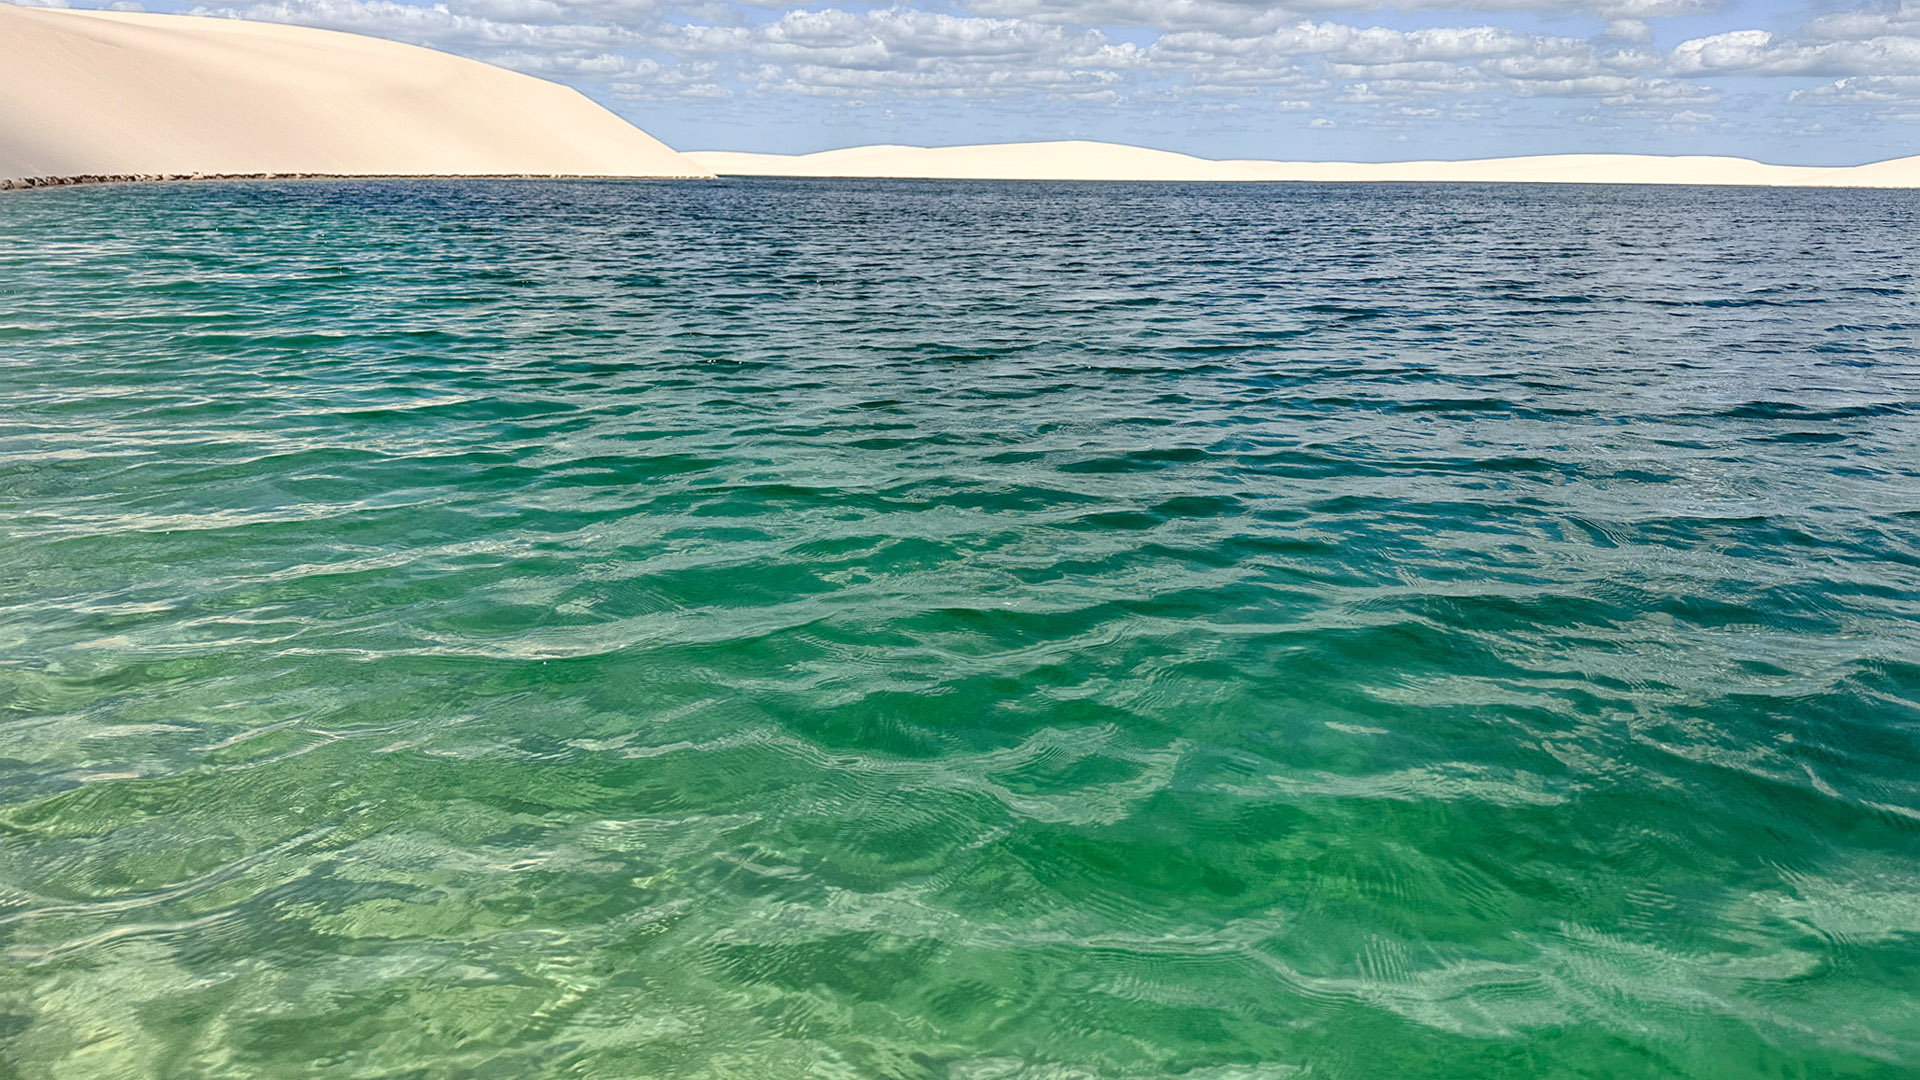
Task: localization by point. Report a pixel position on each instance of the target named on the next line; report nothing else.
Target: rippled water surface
(958, 631)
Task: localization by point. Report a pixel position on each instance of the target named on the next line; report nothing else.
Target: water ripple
(958, 631)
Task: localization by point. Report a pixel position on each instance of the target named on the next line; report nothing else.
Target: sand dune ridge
(109, 94)
(1082, 160)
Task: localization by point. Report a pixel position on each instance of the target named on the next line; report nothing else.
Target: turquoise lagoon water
(958, 632)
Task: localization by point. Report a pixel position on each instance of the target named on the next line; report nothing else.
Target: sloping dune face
(1107, 161)
(97, 93)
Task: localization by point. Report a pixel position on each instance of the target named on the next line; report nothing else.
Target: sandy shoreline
(43, 183)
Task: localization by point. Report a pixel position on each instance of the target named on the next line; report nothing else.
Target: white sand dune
(114, 94)
(1108, 161)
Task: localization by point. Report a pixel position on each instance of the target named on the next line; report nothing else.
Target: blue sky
(1821, 82)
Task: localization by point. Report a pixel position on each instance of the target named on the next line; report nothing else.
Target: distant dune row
(1107, 161)
(91, 96)
(107, 95)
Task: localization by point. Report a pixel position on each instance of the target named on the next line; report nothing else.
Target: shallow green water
(958, 631)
